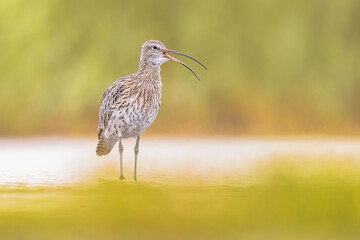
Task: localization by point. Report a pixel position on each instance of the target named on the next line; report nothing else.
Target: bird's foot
(122, 177)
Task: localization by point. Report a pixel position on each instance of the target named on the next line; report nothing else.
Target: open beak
(174, 59)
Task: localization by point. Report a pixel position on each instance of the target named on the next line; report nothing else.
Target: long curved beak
(174, 59)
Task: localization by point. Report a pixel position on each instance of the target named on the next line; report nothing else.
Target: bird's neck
(150, 72)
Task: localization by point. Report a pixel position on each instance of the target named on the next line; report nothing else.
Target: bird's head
(155, 53)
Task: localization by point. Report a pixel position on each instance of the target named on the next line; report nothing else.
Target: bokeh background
(266, 146)
(275, 67)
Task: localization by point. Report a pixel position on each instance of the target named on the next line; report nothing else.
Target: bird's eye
(155, 47)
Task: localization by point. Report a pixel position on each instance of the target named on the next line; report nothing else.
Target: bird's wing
(112, 97)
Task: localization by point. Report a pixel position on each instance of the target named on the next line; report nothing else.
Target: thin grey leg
(136, 150)
(121, 150)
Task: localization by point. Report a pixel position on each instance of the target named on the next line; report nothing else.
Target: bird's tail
(105, 145)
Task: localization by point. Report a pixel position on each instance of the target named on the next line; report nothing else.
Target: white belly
(134, 121)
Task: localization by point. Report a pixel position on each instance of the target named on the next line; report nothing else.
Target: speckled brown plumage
(131, 104)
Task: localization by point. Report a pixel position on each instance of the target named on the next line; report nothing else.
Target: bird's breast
(141, 111)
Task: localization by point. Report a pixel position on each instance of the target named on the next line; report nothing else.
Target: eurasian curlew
(130, 105)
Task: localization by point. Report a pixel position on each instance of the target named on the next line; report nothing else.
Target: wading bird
(130, 105)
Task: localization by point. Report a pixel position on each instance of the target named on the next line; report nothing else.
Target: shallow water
(54, 161)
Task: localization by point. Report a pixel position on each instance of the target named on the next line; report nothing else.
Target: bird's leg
(136, 150)
(121, 150)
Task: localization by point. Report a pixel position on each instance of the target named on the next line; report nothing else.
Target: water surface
(54, 161)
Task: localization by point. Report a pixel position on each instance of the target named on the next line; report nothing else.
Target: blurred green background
(275, 67)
